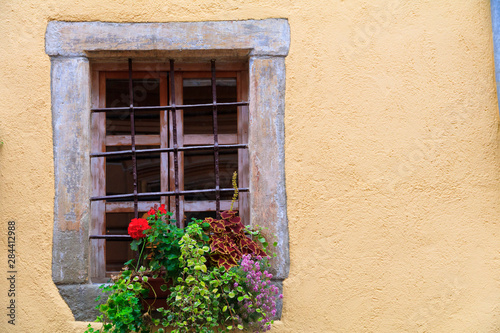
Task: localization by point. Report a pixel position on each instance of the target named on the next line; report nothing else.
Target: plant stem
(140, 255)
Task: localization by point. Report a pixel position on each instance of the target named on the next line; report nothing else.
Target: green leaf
(128, 262)
(224, 309)
(145, 278)
(240, 326)
(232, 294)
(134, 246)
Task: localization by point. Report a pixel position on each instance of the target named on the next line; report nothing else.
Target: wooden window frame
(100, 141)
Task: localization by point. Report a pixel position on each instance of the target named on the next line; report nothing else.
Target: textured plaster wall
(392, 160)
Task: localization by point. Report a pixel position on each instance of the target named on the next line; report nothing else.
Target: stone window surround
(72, 46)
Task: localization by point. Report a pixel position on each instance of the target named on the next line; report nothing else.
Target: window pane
(146, 93)
(119, 177)
(198, 215)
(199, 120)
(199, 172)
(117, 252)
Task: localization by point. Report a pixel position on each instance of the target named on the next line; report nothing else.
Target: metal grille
(177, 192)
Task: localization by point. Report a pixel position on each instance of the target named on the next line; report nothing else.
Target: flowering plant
(215, 275)
(137, 227)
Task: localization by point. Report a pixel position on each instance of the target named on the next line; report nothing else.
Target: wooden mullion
(205, 67)
(98, 173)
(140, 140)
(123, 66)
(156, 140)
(135, 74)
(164, 141)
(208, 139)
(128, 206)
(165, 66)
(207, 205)
(208, 75)
(243, 158)
(180, 142)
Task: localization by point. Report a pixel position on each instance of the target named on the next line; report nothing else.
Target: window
(72, 46)
(204, 185)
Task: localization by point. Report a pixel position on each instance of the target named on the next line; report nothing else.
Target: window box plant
(213, 275)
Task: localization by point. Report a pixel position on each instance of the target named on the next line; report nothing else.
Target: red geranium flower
(152, 211)
(136, 228)
(162, 209)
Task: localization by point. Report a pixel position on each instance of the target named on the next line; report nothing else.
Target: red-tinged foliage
(228, 242)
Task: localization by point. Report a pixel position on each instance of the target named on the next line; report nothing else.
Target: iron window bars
(175, 149)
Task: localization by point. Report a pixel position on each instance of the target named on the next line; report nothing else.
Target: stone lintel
(262, 37)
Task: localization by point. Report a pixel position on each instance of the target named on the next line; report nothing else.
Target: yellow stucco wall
(392, 159)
